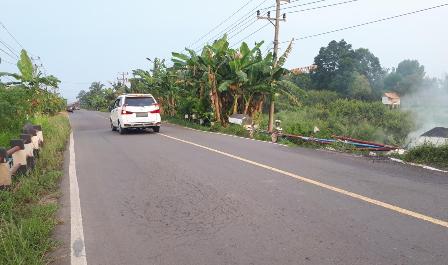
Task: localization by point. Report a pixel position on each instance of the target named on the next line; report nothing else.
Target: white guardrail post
(21, 157)
(29, 150)
(5, 174)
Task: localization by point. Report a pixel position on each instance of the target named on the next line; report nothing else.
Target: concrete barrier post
(19, 158)
(5, 173)
(29, 129)
(29, 150)
(40, 134)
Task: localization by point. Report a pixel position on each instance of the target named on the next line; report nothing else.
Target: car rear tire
(113, 128)
(156, 129)
(121, 130)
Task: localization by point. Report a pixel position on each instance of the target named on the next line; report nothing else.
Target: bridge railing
(22, 154)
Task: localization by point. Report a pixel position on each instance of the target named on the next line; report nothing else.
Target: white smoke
(429, 106)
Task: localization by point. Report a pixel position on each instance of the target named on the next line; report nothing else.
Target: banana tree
(259, 78)
(30, 76)
(160, 82)
(206, 67)
(237, 80)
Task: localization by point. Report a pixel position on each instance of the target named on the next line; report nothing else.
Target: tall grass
(358, 119)
(27, 209)
(429, 154)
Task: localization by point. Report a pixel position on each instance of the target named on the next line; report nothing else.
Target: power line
(6, 61)
(10, 34)
(238, 22)
(241, 25)
(304, 4)
(9, 48)
(292, 1)
(7, 53)
(268, 48)
(247, 26)
(373, 22)
(320, 7)
(220, 24)
(251, 34)
(249, 20)
(20, 44)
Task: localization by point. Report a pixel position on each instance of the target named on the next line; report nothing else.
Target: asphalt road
(149, 198)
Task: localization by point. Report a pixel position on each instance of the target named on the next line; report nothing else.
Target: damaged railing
(21, 156)
(355, 144)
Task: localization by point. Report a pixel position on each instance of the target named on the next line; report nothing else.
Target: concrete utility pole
(124, 79)
(277, 20)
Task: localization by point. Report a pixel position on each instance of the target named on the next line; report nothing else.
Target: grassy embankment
(325, 110)
(429, 155)
(28, 208)
(332, 115)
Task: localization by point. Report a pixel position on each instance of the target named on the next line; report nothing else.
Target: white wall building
(437, 136)
(391, 99)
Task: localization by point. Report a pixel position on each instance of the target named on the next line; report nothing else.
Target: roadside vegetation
(27, 93)
(429, 154)
(28, 206)
(339, 95)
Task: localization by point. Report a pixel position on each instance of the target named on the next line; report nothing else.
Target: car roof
(136, 95)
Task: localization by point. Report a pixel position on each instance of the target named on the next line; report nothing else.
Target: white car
(135, 111)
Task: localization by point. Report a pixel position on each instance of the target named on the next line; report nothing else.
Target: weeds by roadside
(240, 131)
(429, 154)
(426, 154)
(28, 208)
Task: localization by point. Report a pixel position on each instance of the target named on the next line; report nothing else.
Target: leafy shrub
(325, 97)
(359, 119)
(15, 107)
(19, 105)
(231, 129)
(429, 154)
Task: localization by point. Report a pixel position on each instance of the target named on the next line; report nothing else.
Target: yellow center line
(323, 185)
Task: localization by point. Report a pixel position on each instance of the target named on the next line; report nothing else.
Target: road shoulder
(61, 255)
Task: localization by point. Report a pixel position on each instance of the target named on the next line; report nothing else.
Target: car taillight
(157, 110)
(125, 112)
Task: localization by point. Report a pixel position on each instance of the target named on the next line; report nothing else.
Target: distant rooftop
(437, 132)
(392, 95)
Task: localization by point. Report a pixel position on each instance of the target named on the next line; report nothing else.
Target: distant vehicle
(135, 111)
(70, 108)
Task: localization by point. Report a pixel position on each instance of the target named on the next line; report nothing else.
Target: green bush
(429, 154)
(19, 105)
(325, 97)
(355, 118)
(371, 121)
(231, 129)
(15, 108)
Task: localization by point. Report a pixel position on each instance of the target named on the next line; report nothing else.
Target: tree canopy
(408, 77)
(342, 69)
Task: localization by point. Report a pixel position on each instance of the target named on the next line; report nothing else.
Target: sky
(93, 40)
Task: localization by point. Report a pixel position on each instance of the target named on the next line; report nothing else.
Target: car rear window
(139, 101)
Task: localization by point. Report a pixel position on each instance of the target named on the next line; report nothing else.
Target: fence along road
(20, 157)
(150, 199)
